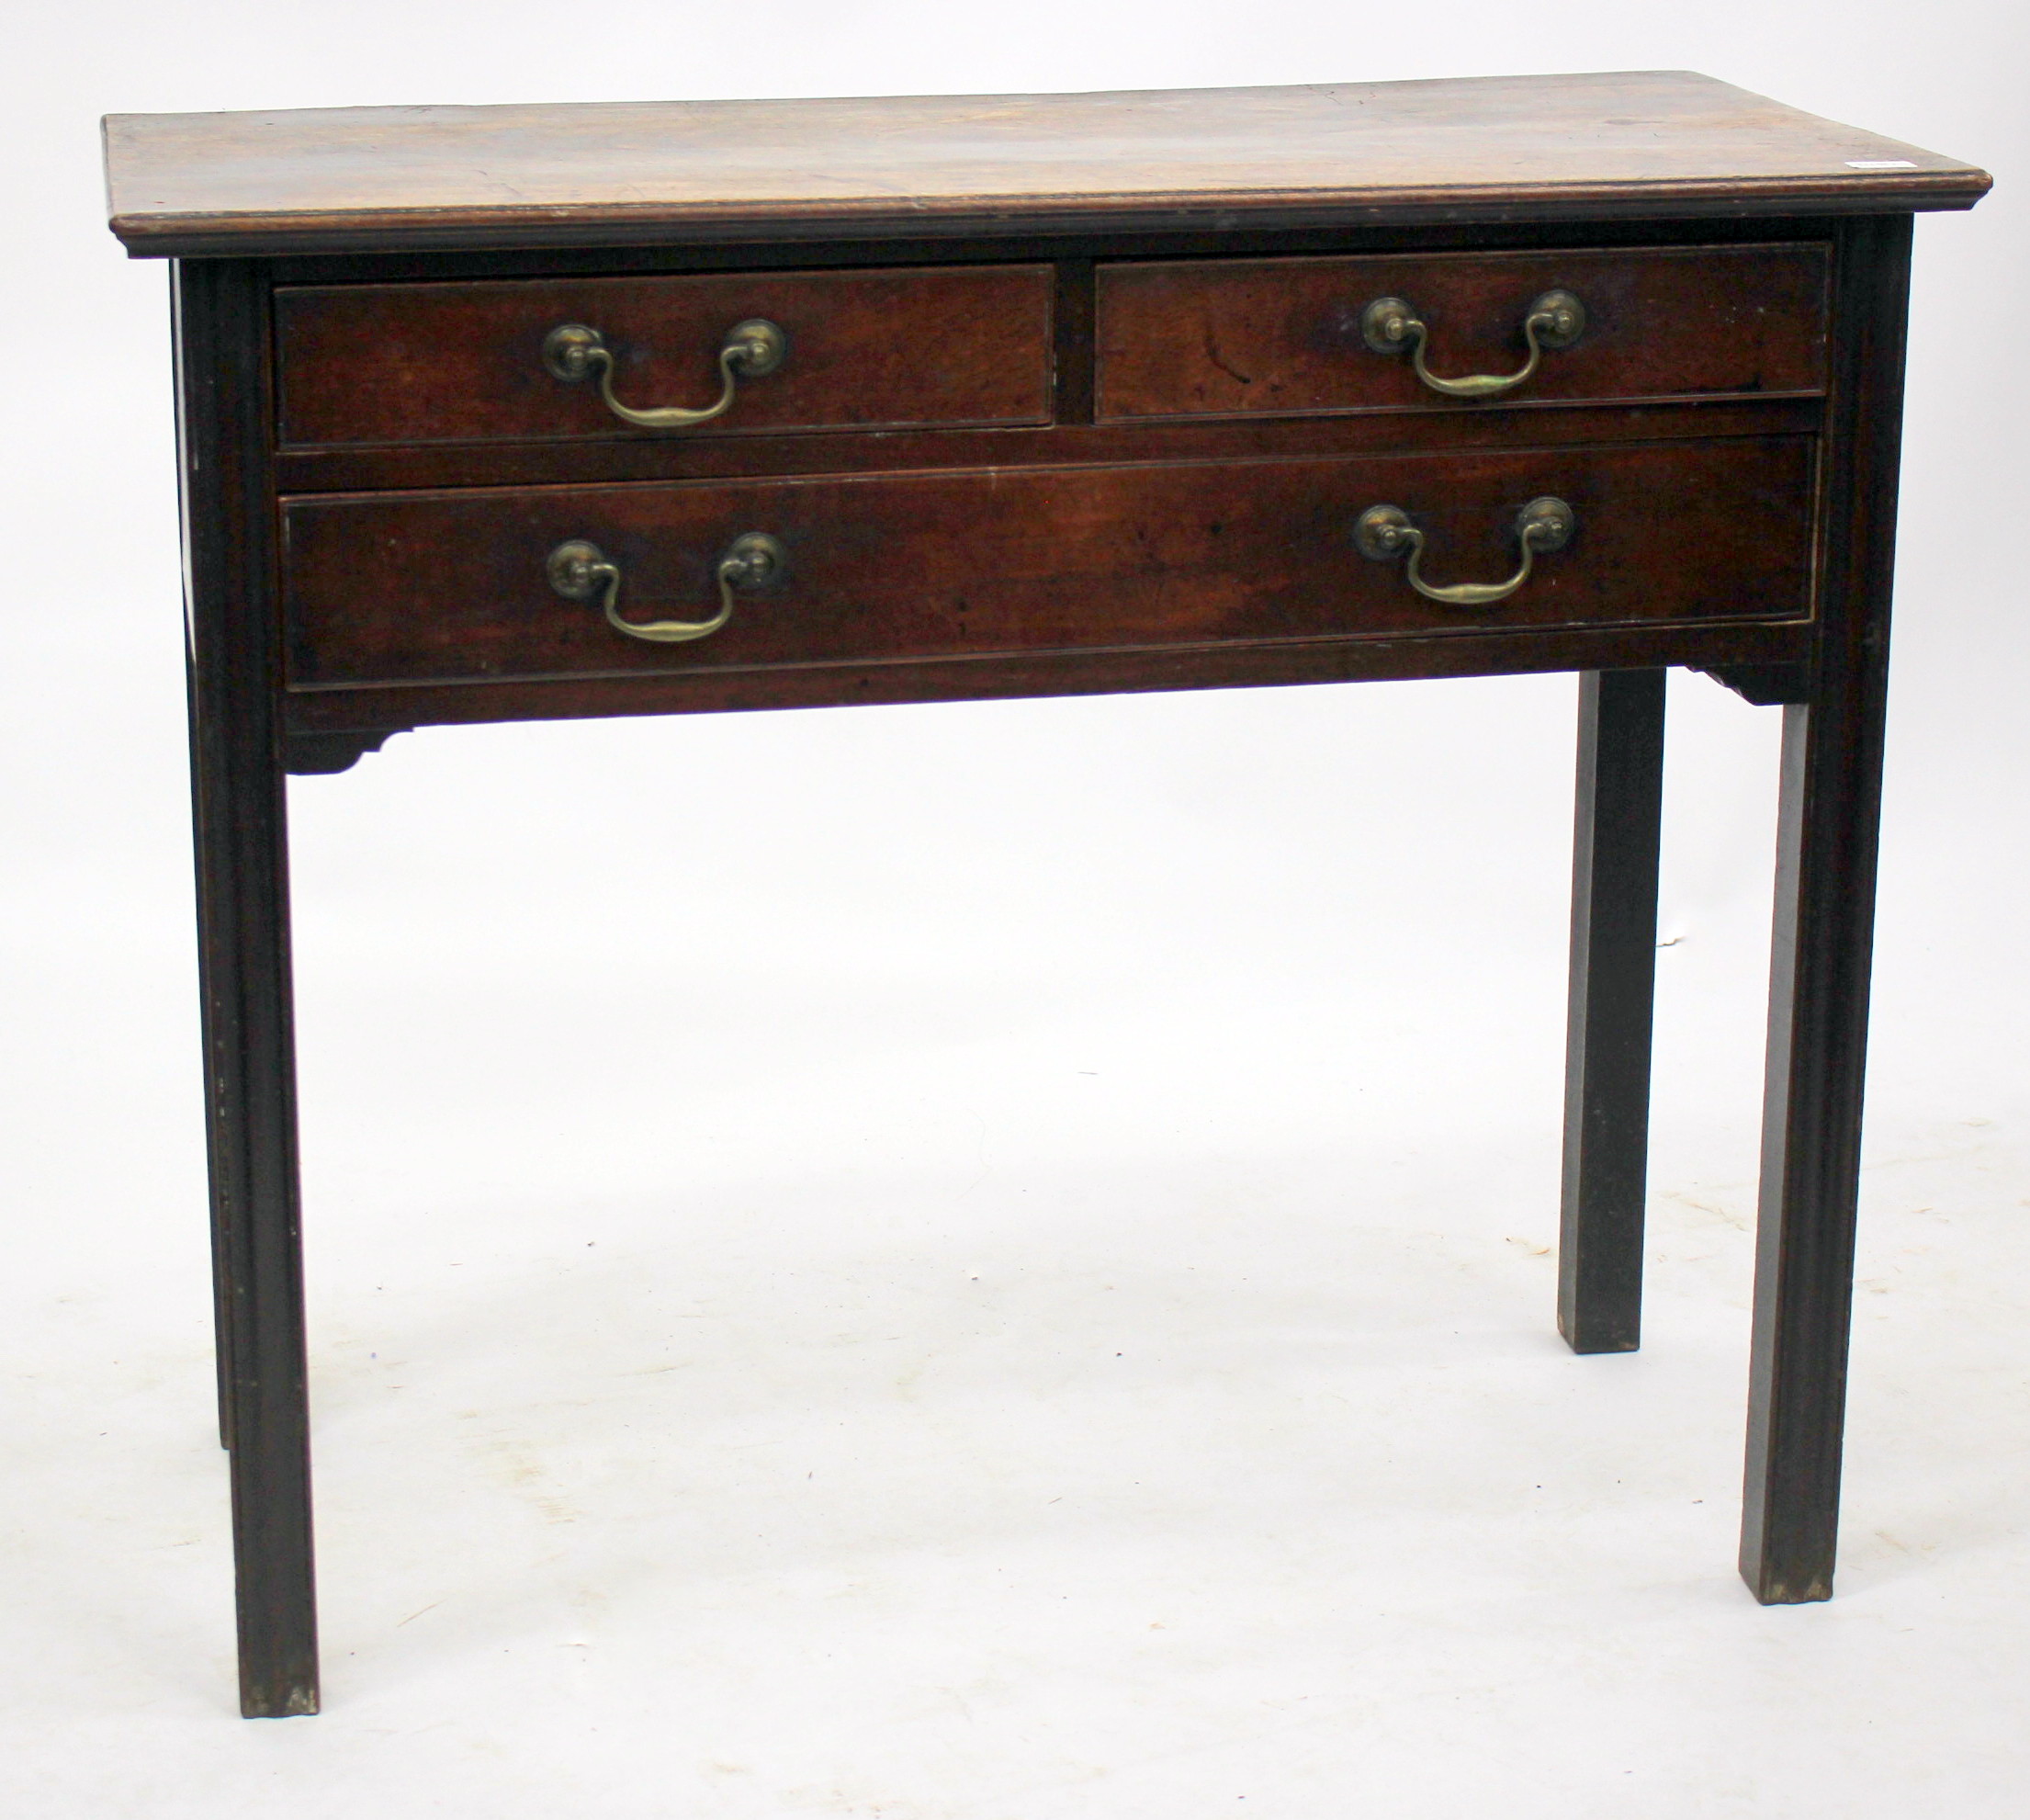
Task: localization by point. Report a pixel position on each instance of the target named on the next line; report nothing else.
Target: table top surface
(1651, 142)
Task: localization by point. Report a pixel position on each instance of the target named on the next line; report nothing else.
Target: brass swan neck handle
(1385, 532)
(573, 352)
(579, 570)
(1390, 325)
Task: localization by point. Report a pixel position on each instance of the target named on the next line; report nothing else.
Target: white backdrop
(738, 1150)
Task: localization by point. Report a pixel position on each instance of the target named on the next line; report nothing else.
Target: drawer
(1290, 336)
(447, 363)
(450, 586)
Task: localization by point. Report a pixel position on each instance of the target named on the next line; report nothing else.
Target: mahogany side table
(498, 414)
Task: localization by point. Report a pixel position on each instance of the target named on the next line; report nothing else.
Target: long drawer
(465, 586)
(873, 349)
(1297, 336)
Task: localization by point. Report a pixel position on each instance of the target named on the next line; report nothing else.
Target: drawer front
(1287, 336)
(446, 587)
(446, 363)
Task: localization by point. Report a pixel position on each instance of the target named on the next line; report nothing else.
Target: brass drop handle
(573, 352)
(1385, 532)
(579, 570)
(1389, 326)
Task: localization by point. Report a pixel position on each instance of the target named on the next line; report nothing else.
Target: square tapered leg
(238, 796)
(1613, 990)
(1810, 1162)
(1824, 938)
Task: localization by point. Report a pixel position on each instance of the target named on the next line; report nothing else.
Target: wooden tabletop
(1652, 143)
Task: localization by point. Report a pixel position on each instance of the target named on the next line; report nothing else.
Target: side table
(499, 413)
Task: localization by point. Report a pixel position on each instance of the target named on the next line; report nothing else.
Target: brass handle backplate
(1390, 325)
(573, 352)
(579, 570)
(1385, 532)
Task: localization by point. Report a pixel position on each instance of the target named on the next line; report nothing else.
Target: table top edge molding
(1659, 144)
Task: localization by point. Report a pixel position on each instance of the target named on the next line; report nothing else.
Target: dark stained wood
(674, 458)
(219, 1141)
(867, 349)
(322, 754)
(1615, 846)
(1826, 840)
(1005, 676)
(986, 244)
(1765, 685)
(243, 954)
(1651, 142)
(1216, 337)
(440, 587)
(1073, 357)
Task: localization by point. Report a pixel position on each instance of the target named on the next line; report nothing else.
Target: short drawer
(1209, 338)
(446, 363)
(445, 587)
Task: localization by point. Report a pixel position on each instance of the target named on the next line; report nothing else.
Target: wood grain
(1007, 676)
(889, 349)
(423, 588)
(1491, 148)
(1224, 337)
(404, 467)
